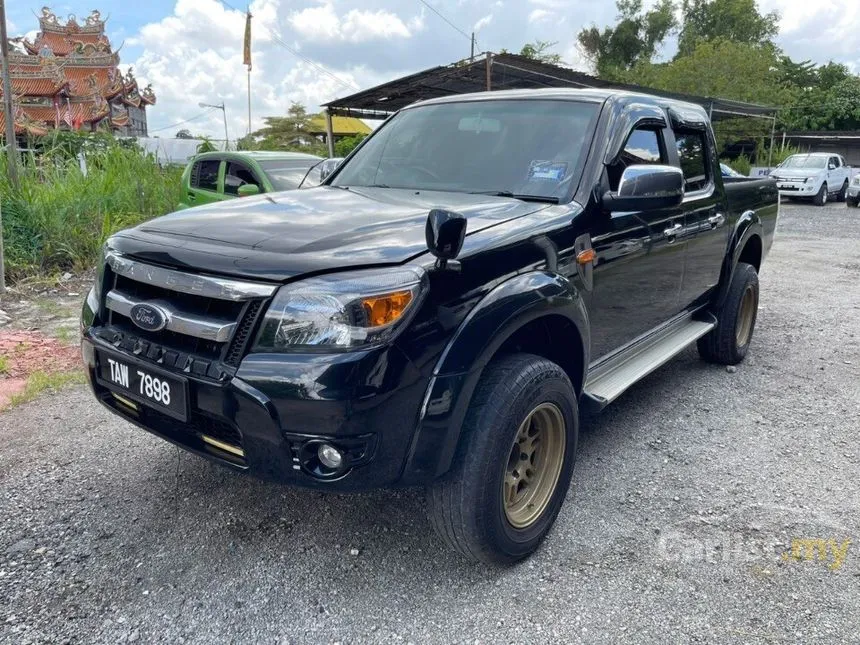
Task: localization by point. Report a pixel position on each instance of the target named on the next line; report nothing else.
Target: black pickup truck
(438, 312)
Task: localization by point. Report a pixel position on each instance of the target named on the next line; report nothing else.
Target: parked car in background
(853, 197)
(818, 176)
(728, 172)
(216, 176)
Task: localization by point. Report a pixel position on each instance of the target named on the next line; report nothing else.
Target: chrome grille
(206, 316)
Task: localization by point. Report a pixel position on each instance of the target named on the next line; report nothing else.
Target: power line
(193, 118)
(450, 24)
(307, 60)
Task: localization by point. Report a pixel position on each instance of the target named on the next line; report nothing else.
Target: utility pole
(472, 57)
(11, 146)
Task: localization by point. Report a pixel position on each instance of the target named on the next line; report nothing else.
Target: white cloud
(483, 22)
(540, 15)
(322, 23)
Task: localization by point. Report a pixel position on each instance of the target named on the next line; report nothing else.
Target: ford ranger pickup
(437, 312)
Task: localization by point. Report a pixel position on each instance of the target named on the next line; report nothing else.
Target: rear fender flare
(499, 315)
(747, 226)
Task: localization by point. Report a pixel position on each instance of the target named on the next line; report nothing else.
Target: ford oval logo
(148, 317)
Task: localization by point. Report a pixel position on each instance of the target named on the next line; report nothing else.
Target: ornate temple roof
(70, 78)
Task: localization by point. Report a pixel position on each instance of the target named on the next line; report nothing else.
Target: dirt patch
(24, 353)
(51, 305)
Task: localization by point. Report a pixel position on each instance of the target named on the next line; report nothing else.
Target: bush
(742, 164)
(346, 145)
(60, 216)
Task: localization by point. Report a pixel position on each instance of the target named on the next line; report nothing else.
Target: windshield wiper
(521, 196)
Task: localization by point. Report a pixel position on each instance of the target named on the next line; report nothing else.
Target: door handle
(717, 220)
(672, 232)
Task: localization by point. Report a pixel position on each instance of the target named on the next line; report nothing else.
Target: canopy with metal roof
(505, 72)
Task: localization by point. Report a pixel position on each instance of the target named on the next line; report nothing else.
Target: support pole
(489, 71)
(11, 145)
(329, 133)
(772, 134)
(472, 55)
(226, 136)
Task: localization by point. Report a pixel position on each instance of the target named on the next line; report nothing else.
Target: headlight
(341, 311)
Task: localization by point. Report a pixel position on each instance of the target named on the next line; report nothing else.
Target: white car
(816, 175)
(853, 198)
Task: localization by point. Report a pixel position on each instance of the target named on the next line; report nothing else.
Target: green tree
(738, 21)
(285, 132)
(184, 134)
(632, 41)
(344, 146)
(540, 50)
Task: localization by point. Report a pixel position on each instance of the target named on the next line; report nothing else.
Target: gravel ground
(687, 496)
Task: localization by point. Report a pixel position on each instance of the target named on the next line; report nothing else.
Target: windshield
(805, 161)
(522, 147)
(287, 175)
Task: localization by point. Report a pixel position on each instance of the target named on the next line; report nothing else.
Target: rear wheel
(729, 341)
(821, 198)
(842, 192)
(509, 479)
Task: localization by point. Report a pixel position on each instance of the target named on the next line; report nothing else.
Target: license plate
(154, 388)
(785, 186)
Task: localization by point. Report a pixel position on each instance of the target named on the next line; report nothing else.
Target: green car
(216, 176)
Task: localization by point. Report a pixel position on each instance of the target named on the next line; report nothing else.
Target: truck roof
(591, 95)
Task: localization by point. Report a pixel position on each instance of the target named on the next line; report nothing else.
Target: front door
(640, 258)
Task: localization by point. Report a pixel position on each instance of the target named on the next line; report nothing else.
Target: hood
(799, 173)
(278, 236)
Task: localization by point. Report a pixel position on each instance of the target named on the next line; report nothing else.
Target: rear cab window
(204, 174)
(693, 159)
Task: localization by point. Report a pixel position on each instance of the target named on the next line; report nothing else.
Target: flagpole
(246, 56)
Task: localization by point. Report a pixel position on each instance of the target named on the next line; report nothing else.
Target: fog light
(329, 456)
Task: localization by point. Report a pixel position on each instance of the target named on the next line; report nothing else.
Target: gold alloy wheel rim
(743, 329)
(534, 465)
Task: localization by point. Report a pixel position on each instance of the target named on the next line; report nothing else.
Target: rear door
(706, 223)
(203, 182)
(640, 256)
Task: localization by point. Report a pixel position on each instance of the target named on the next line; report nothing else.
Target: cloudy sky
(190, 50)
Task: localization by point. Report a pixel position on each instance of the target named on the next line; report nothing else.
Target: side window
(204, 174)
(692, 153)
(237, 174)
(642, 147)
(835, 161)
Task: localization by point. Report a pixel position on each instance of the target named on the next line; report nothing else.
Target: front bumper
(262, 419)
(789, 188)
(854, 192)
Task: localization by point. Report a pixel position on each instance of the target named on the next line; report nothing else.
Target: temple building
(69, 78)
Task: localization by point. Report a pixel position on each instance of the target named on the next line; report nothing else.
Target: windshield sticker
(547, 170)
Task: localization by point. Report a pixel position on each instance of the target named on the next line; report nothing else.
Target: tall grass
(59, 216)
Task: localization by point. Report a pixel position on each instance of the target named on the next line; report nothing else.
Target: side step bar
(608, 379)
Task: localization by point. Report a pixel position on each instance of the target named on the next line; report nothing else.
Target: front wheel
(821, 198)
(729, 341)
(842, 192)
(513, 469)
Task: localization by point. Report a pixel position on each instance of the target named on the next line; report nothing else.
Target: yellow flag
(247, 52)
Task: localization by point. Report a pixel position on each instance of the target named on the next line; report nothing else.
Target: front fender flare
(502, 312)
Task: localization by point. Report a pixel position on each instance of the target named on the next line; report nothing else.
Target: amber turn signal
(385, 309)
(586, 257)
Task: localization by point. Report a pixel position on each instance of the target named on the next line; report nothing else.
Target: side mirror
(445, 232)
(646, 187)
(830, 166)
(246, 190)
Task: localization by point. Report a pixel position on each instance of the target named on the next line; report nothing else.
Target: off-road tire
(821, 198)
(722, 344)
(843, 192)
(466, 505)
